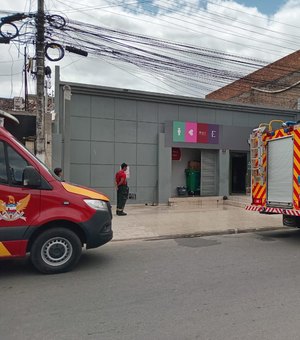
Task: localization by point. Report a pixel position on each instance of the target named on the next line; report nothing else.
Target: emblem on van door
(12, 210)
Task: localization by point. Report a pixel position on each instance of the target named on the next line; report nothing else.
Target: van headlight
(96, 204)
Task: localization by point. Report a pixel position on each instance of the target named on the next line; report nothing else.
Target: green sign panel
(178, 131)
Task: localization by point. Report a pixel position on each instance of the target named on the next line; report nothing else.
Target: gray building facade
(97, 128)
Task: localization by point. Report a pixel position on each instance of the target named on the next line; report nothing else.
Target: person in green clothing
(122, 189)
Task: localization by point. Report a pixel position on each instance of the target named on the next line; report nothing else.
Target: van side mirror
(31, 177)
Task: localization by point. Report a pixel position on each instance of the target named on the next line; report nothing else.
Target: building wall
(283, 75)
(164, 170)
(224, 172)
(99, 128)
(106, 132)
(288, 98)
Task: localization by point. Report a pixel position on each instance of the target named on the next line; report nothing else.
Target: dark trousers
(122, 195)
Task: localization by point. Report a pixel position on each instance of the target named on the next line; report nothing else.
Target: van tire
(56, 251)
(291, 221)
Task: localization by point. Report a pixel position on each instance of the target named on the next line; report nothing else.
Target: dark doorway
(238, 161)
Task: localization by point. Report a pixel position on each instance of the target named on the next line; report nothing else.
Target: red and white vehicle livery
(275, 170)
(44, 216)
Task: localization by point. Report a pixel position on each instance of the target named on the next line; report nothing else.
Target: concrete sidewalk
(191, 219)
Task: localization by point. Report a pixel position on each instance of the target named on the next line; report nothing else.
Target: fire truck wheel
(291, 221)
(56, 251)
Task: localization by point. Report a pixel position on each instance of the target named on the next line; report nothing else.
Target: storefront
(196, 168)
(206, 156)
(168, 141)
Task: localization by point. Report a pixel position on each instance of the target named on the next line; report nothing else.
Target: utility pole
(40, 82)
(25, 80)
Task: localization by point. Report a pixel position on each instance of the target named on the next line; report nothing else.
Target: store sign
(178, 131)
(176, 154)
(190, 132)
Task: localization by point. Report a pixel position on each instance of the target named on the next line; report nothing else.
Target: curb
(202, 234)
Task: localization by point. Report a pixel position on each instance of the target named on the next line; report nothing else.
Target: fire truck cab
(275, 170)
(44, 216)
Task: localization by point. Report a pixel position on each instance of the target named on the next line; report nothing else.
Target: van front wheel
(56, 251)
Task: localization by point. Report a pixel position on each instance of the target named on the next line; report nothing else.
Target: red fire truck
(275, 170)
(42, 215)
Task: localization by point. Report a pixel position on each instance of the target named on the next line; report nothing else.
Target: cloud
(218, 24)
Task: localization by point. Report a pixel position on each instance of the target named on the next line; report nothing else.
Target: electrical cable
(276, 91)
(115, 52)
(233, 20)
(251, 14)
(209, 34)
(178, 63)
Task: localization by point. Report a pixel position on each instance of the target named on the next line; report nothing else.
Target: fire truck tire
(56, 251)
(291, 221)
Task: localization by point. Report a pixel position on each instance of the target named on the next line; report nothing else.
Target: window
(17, 165)
(3, 172)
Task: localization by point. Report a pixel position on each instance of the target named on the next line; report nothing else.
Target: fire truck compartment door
(280, 172)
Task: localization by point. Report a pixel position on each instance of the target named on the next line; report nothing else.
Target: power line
(117, 45)
(251, 14)
(179, 64)
(218, 28)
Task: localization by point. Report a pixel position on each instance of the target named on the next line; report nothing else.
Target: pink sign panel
(190, 132)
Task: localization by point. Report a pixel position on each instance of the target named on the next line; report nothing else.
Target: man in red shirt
(122, 189)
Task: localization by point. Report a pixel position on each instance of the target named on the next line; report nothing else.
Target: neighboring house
(25, 132)
(276, 85)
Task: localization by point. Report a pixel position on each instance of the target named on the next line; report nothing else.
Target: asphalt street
(243, 286)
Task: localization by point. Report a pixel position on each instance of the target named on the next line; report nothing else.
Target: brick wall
(276, 76)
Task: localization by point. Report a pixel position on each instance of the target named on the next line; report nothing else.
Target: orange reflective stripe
(3, 250)
(84, 192)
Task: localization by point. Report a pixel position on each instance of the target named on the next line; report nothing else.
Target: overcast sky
(263, 29)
